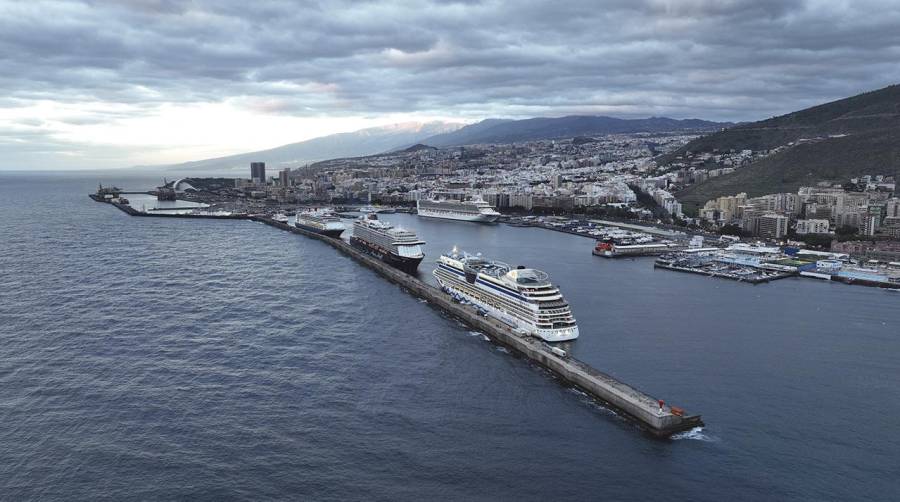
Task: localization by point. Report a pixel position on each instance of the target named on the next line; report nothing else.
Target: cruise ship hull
(549, 335)
(477, 218)
(328, 233)
(406, 264)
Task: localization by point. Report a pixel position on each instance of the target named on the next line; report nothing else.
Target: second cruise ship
(395, 246)
(465, 210)
(320, 221)
(522, 297)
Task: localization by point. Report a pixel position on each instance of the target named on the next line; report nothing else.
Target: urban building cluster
(556, 176)
(615, 174)
(865, 206)
(690, 168)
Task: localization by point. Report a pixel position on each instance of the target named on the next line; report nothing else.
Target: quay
(634, 250)
(851, 280)
(183, 208)
(759, 277)
(652, 415)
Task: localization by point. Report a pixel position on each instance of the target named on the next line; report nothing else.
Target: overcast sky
(95, 83)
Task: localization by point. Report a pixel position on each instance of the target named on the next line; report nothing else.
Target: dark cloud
(722, 59)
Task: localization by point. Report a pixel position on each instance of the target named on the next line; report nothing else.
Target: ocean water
(145, 358)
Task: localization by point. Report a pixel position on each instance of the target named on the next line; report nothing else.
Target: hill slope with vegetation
(830, 142)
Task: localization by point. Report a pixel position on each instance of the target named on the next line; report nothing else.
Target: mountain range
(443, 134)
(513, 131)
(349, 144)
(830, 142)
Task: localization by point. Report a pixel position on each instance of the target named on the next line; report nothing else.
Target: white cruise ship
(320, 221)
(467, 210)
(522, 297)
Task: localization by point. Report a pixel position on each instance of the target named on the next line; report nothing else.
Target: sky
(104, 84)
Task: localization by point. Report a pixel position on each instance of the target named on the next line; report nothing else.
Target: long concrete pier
(655, 417)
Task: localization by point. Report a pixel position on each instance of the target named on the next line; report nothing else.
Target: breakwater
(654, 416)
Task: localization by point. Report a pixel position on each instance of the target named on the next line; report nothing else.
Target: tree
(845, 233)
(820, 241)
(731, 229)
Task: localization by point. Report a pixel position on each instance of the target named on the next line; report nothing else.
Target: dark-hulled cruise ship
(395, 246)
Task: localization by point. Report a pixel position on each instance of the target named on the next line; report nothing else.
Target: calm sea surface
(145, 358)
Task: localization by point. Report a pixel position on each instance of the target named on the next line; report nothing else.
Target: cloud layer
(71, 71)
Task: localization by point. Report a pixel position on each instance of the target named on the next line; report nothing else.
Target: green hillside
(848, 138)
(834, 159)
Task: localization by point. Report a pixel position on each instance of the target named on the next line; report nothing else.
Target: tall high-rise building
(772, 226)
(557, 180)
(871, 220)
(258, 172)
(892, 208)
(284, 177)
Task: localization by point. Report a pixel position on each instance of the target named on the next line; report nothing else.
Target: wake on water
(696, 434)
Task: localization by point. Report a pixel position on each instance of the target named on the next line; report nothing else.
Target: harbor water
(154, 358)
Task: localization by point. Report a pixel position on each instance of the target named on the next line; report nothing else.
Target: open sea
(178, 359)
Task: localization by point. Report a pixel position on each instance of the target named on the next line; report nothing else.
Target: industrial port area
(675, 248)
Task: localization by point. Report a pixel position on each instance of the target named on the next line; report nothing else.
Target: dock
(757, 277)
(652, 415)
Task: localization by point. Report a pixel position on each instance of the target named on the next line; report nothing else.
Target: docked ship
(395, 246)
(320, 221)
(464, 210)
(522, 297)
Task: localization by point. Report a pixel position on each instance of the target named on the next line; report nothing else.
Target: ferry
(320, 221)
(395, 246)
(523, 298)
(280, 217)
(463, 210)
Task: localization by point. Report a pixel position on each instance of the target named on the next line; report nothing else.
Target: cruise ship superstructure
(320, 221)
(395, 246)
(522, 297)
(464, 210)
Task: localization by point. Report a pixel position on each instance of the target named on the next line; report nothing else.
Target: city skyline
(91, 85)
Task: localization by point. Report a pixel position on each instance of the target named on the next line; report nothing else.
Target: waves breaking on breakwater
(695, 434)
